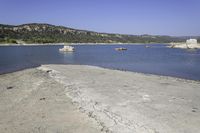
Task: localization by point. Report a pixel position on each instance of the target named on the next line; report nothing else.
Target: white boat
(67, 49)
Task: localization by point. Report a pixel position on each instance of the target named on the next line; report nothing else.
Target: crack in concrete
(107, 119)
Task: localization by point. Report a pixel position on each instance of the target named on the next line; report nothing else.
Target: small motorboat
(67, 49)
(120, 49)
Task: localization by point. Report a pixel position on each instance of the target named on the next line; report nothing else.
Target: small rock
(193, 110)
(48, 71)
(42, 98)
(90, 114)
(10, 87)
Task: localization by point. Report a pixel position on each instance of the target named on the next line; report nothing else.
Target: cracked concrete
(73, 98)
(31, 102)
(126, 102)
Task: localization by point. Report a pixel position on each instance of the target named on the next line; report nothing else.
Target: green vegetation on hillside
(45, 33)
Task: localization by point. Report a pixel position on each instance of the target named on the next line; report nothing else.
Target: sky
(155, 17)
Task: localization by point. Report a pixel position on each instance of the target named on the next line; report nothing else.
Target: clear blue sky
(160, 17)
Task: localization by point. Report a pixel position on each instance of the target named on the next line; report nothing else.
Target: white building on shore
(192, 43)
(189, 44)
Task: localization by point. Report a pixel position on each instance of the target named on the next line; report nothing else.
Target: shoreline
(122, 70)
(57, 44)
(146, 74)
(122, 101)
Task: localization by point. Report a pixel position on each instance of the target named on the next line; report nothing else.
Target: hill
(46, 33)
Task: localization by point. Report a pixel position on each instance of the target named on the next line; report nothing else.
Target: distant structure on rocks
(191, 43)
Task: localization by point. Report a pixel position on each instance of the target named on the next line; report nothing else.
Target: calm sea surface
(158, 59)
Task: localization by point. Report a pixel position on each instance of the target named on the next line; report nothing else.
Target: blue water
(158, 59)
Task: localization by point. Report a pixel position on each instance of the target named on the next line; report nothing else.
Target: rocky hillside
(46, 33)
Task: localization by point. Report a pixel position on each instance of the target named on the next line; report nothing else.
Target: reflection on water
(156, 59)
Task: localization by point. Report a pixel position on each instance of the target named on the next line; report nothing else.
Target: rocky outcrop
(185, 46)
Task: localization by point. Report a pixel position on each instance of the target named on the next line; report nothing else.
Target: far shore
(55, 44)
(87, 99)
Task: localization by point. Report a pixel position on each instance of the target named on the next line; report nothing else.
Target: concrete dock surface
(86, 99)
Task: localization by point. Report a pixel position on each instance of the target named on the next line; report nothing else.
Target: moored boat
(67, 49)
(120, 49)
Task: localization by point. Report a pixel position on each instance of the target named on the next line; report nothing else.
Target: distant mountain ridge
(47, 33)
